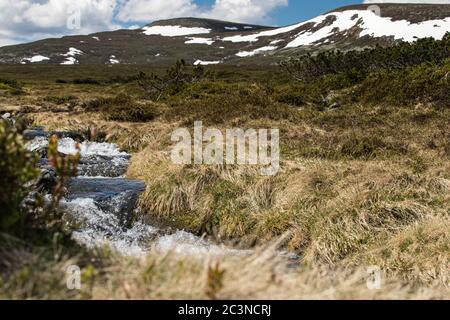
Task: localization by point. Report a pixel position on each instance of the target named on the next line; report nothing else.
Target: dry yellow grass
(341, 213)
(263, 275)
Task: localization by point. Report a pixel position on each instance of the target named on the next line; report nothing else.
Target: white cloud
(148, 10)
(27, 20)
(256, 11)
(409, 1)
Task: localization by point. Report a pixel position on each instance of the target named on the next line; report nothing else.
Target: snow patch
(113, 60)
(199, 41)
(231, 28)
(255, 37)
(205, 63)
(71, 56)
(96, 38)
(372, 25)
(276, 41)
(173, 31)
(244, 54)
(34, 59)
(69, 61)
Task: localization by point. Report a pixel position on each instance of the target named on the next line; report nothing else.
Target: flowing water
(102, 203)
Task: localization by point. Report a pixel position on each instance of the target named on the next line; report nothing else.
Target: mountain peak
(211, 24)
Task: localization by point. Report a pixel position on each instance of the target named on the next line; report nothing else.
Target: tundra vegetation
(364, 177)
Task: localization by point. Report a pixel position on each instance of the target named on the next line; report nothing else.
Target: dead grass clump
(263, 274)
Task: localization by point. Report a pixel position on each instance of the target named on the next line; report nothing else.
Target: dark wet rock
(40, 128)
(43, 163)
(68, 134)
(95, 135)
(114, 195)
(42, 152)
(30, 134)
(47, 181)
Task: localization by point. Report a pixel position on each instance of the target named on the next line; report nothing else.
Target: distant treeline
(357, 65)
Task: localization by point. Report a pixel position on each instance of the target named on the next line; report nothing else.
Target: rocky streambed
(103, 203)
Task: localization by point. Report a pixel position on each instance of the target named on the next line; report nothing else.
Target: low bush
(424, 83)
(357, 65)
(16, 170)
(12, 86)
(122, 108)
(59, 100)
(228, 102)
(173, 81)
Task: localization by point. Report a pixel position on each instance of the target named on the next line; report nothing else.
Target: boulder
(68, 134)
(47, 181)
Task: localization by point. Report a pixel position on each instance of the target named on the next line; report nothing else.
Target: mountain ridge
(209, 41)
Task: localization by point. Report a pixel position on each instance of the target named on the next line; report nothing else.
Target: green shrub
(59, 100)
(12, 86)
(423, 83)
(122, 108)
(172, 82)
(229, 102)
(16, 169)
(357, 65)
(86, 81)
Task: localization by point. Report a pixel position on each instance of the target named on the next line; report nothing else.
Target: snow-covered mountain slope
(204, 41)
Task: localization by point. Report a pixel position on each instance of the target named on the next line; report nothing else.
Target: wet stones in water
(47, 181)
(32, 133)
(117, 197)
(68, 134)
(103, 166)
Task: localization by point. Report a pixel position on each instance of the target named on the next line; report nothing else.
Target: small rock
(6, 116)
(30, 134)
(46, 181)
(335, 105)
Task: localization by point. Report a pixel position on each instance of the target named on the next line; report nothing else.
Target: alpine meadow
(315, 160)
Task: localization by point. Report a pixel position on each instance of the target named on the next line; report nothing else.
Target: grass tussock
(167, 276)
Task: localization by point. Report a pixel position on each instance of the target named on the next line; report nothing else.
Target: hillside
(205, 41)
